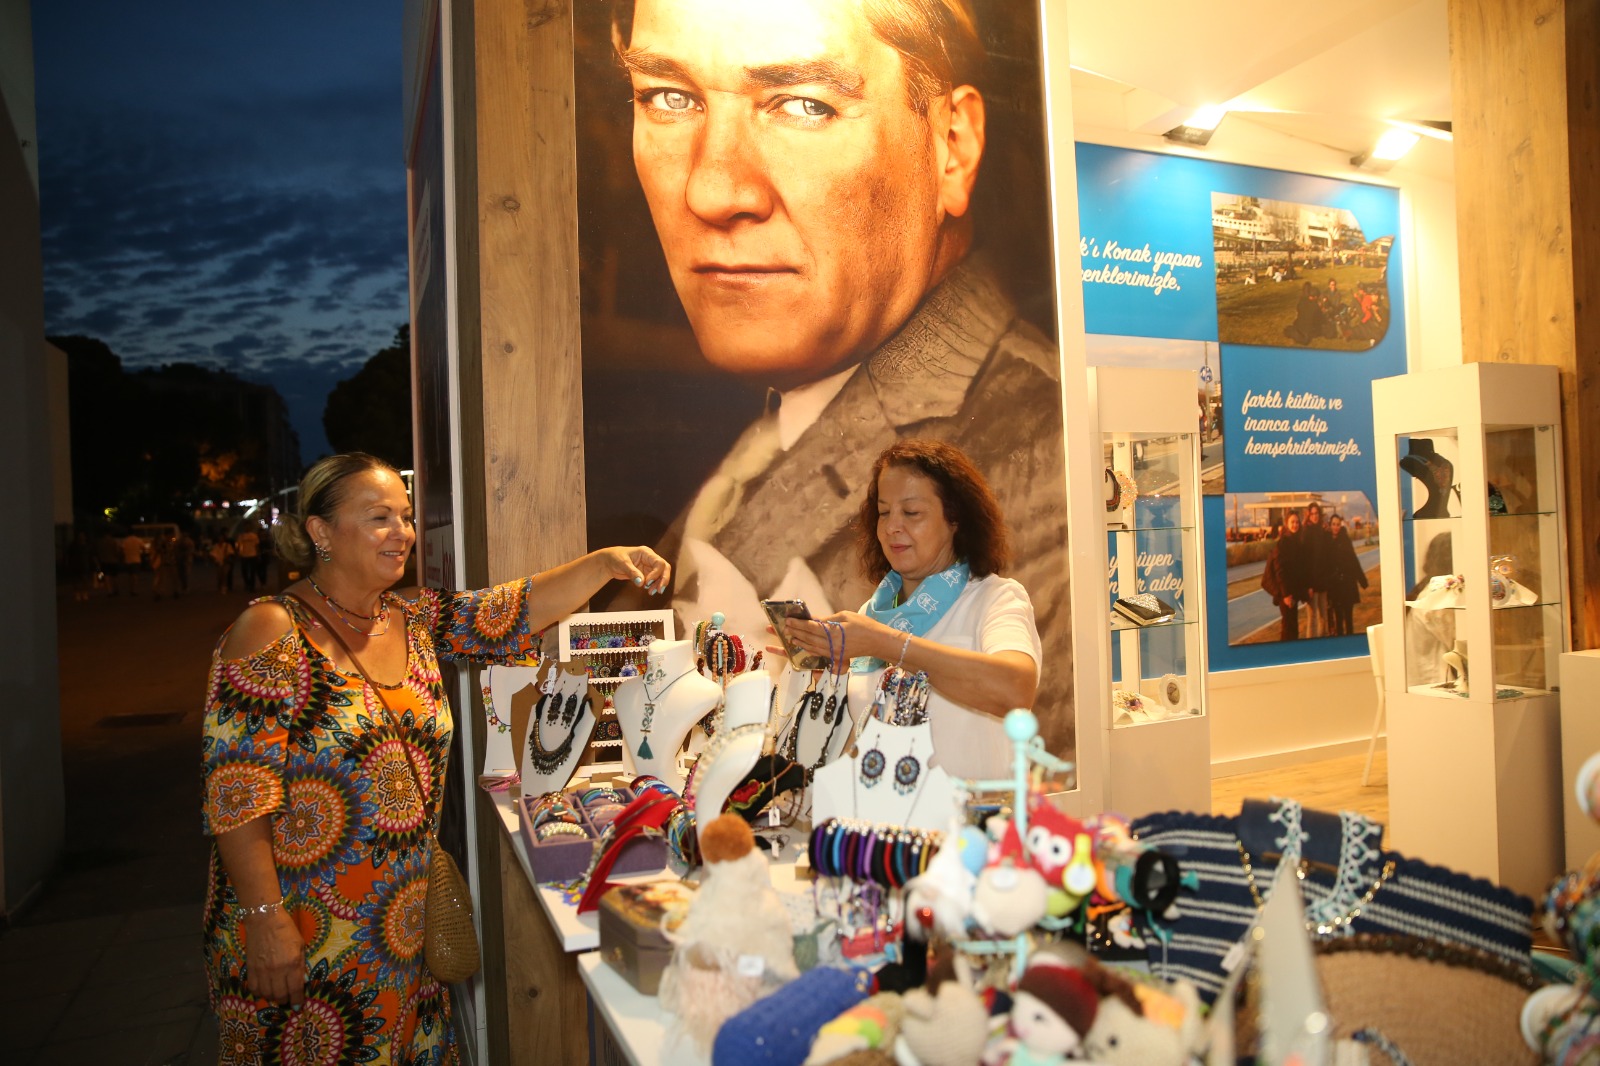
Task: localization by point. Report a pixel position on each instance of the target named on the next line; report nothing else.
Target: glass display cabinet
(1474, 575)
(1157, 734)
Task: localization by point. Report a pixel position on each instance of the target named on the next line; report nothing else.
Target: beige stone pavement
(103, 966)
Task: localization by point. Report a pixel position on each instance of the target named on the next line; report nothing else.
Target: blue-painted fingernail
(638, 581)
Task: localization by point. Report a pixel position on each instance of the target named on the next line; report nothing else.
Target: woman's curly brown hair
(980, 538)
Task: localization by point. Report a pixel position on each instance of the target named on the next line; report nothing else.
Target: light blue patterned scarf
(932, 600)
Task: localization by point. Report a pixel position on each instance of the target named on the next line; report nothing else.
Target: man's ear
(964, 142)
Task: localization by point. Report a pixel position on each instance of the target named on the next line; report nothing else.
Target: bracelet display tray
(565, 856)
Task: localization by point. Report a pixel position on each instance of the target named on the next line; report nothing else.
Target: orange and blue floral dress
(289, 735)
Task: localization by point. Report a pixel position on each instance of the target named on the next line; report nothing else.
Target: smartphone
(778, 613)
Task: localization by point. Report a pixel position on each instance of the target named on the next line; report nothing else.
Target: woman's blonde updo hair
(322, 490)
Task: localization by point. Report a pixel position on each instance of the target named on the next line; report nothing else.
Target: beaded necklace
(341, 611)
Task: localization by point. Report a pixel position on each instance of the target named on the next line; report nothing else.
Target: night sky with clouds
(224, 184)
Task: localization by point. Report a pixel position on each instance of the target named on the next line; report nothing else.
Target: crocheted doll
(734, 945)
(1053, 1008)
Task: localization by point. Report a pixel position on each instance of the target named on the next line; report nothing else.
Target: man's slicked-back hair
(937, 40)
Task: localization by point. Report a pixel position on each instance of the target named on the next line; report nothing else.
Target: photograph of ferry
(1297, 275)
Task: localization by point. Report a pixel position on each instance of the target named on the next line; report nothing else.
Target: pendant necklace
(650, 699)
(339, 609)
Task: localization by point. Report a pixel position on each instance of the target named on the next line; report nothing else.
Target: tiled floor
(103, 967)
(114, 989)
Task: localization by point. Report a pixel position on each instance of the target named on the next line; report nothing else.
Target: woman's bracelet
(260, 909)
(904, 644)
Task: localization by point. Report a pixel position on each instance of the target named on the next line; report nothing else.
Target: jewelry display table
(577, 932)
(635, 1023)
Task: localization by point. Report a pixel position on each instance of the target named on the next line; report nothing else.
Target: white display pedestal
(1159, 756)
(1469, 494)
(1580, 738)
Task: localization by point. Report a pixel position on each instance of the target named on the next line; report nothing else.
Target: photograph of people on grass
(1297, 275)
(1300, 565)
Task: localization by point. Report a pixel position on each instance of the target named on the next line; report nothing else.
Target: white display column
(1158, 739)
(1474, 571)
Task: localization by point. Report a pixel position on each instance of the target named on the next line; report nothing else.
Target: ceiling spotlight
(1393, 144)
(1198, 127)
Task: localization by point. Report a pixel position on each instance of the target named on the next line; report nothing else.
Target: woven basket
(450, 943)
(1431, 1010)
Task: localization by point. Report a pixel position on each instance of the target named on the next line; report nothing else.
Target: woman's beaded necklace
(344, 613)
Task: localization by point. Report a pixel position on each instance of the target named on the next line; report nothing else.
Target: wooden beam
(522, 427)
(1527, 149)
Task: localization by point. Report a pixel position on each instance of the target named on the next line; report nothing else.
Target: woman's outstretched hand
(640, 565)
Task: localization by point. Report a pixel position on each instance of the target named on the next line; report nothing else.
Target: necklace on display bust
(549, 760)
(381, 618)
(658, 673)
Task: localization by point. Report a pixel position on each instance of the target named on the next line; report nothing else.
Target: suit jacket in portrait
(964, 369)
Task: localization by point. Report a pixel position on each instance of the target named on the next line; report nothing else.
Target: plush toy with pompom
(734, 944)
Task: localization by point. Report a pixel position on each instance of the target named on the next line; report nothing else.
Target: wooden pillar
(1525, 81)
(522, 425)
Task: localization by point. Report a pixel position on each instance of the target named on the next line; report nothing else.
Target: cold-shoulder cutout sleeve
(482, 626)
(251, 703)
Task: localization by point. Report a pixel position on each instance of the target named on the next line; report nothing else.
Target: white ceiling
(1327, 73)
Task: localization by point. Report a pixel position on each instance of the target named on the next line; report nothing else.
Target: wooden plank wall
(1527, 150)
(522, 426)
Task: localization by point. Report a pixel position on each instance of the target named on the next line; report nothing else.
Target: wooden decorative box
(631, 937)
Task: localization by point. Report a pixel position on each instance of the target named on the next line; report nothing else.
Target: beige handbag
(450, 943)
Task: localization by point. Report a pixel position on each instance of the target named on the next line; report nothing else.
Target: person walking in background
(183, 560)
(1318, 547)
(222, 553)
(132, 546)
(1284, 579)
(1346, 577)
(163, 571)
(108, 553)
(247, 545)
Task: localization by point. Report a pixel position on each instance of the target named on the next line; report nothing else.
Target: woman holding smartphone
(932, 535)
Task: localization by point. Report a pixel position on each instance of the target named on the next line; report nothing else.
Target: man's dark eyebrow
(652, 65)
(836, 76)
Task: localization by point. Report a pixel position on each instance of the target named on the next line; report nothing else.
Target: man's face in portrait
(804, 204)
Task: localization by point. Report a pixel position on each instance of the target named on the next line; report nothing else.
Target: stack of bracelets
(720, 655)
(683, 843)
(552, 817)
(902, 697)
(555, 815)
(863, 852)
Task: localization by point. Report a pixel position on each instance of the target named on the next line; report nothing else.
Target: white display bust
(658, 708)
(733, 751)
(837, 790)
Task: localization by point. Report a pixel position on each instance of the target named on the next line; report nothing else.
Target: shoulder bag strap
(361, 672)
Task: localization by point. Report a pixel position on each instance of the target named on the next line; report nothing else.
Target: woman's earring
(324, 554)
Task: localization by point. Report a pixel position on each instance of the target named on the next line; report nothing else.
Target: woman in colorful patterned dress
(313, 926)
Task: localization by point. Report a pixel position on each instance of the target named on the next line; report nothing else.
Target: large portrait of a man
(808, 228)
